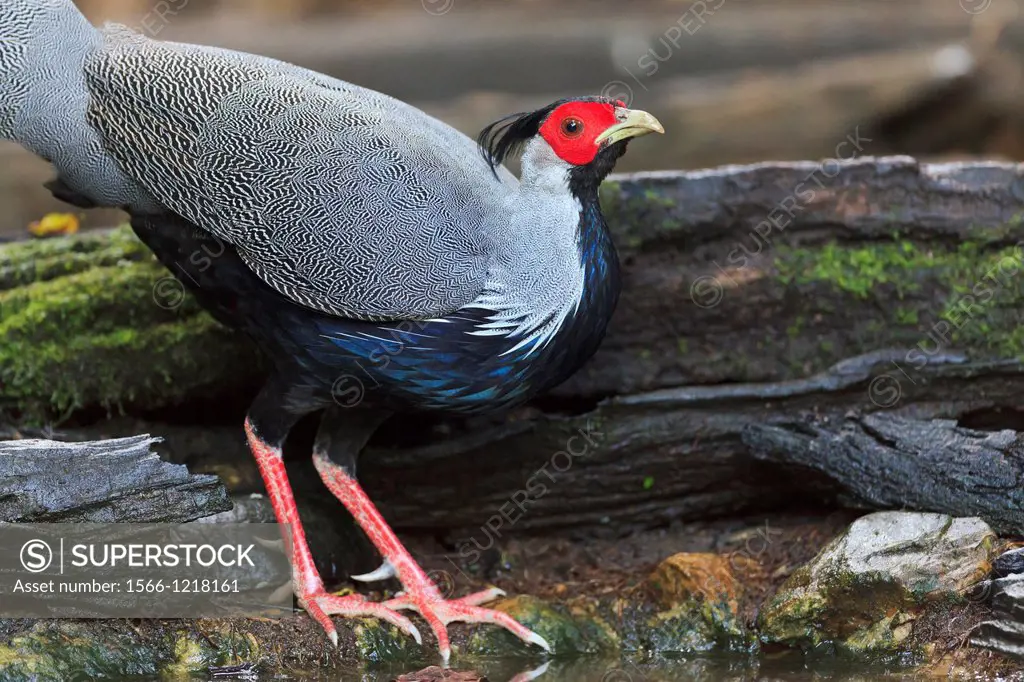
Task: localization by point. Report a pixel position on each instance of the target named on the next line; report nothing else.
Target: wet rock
(705, 577)
(864, 590)
(1004, 636)
(1005, 594)
(58, 651)
(565, 631)
(1009, 563)
(699, 595)
(380, 642)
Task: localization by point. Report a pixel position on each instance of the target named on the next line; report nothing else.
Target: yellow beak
(632, 123)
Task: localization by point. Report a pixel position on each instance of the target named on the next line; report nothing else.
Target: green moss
(561, 630)
(41, 260)
(155, 365)
(594, 625)
(636, 216)
(696, 626)
(792, 618)
(907, 316)
(857, 270)
(84, 322)
(881, 639)
(190, 655)
(969, 295)
(99, 300)
(67, 651)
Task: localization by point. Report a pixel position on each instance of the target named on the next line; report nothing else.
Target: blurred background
(734, 81)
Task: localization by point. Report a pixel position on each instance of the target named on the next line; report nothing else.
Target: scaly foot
(321, 606)
(423, 597)
(306, 582)
(421, 594)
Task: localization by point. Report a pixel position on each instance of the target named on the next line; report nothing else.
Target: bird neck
(582, 335)
(557, 277)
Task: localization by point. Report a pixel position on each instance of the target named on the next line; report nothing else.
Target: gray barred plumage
(43, 97)
(341, 198)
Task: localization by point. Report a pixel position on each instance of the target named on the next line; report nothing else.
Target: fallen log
(688, 453)
(703, 451)
(740, 274)
(112, 481)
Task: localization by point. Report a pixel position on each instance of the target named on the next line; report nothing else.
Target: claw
(530, 675)
(419, 593)
(276, 545)
(384, 572)
(483, 597)
(534, 638)
(281, 594)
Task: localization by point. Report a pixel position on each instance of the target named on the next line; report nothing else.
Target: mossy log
(93, 320)
(740, 283)
(740, 274)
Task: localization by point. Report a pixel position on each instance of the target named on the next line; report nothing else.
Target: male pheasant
(382, 262)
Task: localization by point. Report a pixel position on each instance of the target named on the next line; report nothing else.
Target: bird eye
(572, 127)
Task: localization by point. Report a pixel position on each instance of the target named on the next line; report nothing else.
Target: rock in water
(699, 595)
(1005, 634)
(861, 592)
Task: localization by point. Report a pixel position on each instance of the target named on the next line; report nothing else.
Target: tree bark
(882, 461)
(707, 451)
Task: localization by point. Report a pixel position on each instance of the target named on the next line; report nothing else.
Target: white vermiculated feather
(343, 199)
(43, 97)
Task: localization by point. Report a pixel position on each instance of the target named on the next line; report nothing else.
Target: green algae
(380, 642)
(69, 652)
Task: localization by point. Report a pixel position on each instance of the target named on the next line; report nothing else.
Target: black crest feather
(507, 136)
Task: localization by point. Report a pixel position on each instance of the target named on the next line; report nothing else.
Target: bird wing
(342, 199)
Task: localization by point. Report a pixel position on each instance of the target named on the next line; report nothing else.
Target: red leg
(306, 582)
(421, 595)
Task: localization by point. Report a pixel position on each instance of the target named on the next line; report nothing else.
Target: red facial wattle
(572, 130)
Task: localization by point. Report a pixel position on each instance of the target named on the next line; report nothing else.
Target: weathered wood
(883, 461)
(1005, 594)
(691, 453)
(653, 458)
(915, 265)
(110, 481)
